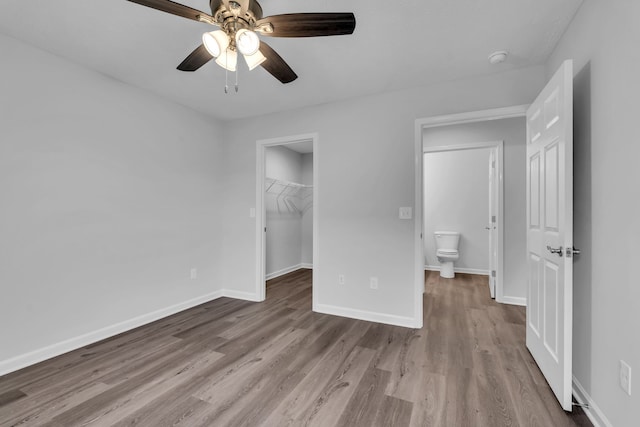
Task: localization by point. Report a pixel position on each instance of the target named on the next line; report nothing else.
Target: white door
(550, 231)
(492, 224)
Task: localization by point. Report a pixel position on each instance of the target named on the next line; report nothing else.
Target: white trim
(245, 296)
(593, 412)
(261, 221)
(418, 232)
(512, 300)
(478, 271)
(287, 270)
(471, 117)
(370, 316)
(45, 353)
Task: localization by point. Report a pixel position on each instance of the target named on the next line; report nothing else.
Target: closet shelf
(293, 196)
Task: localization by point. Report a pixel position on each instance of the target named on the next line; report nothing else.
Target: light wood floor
(236, 363)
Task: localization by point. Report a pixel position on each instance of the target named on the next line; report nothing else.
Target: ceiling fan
(240, 21)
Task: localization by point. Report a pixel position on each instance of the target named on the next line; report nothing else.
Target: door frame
(435, 121)
(261, 221)
(497, 147)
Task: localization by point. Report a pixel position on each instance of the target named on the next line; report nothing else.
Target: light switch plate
(625, 377)
(405, 213)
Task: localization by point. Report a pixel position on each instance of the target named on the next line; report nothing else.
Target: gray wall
(366, 158)
(513, 133)
(109, 197)
(603, 41)
(456, 198)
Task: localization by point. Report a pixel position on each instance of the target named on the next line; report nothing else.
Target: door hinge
(493, 219)
(493, 273)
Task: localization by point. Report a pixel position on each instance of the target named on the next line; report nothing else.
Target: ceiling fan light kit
(247, 41)
(240, 22)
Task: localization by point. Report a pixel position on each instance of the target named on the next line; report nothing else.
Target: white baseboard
(287, 270)
(459, 270)
(595, 415)
(389, 319)
(246, 296)
(68, 345)
(512, 300)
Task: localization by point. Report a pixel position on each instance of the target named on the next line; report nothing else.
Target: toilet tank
(447, 239)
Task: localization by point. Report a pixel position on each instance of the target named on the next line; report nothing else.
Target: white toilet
(447, 251)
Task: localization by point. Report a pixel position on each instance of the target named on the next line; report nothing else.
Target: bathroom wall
(513, 132)
(456, 198)
(286, 225)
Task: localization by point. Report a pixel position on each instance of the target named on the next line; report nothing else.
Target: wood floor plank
(362, 408)
(277, 363)
(11, 396)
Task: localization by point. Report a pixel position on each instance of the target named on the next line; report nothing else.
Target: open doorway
(286, 205)
(462, 194)
(447, 132)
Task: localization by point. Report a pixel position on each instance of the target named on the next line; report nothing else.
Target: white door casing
(550, 231)
(494, 198)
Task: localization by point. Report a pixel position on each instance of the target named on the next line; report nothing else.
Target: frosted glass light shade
(215, 42)
(247, 41)
(254, 60)
(228, 59)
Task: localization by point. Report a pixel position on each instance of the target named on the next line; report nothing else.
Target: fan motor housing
(254, 8)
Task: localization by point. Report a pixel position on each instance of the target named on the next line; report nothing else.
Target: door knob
(557, 251)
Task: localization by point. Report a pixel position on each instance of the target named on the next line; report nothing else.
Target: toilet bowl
(447, 251)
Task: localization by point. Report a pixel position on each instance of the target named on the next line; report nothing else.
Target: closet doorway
(286, 207)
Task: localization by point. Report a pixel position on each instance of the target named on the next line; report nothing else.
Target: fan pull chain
(226, 72)
(237, 79)
(226, 81)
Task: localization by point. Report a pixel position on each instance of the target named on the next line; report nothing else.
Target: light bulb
(228, 59)
(215, 42)
(247, 41)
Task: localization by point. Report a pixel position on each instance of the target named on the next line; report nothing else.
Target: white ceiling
(396, 45)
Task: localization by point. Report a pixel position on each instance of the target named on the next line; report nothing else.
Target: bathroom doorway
(286, 206)
(462, 192)
(451, 131)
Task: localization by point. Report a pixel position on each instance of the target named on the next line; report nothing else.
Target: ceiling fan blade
(196, 59)
(175, 9)
(275, 65)
(308, 24)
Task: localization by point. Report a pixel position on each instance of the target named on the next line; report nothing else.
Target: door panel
(550, 231)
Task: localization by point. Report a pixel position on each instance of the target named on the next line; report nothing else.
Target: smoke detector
(498, 57)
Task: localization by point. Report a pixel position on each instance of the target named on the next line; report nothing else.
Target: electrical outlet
(373, 282)
(193, 274)
(341, 279)
(625, 377)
